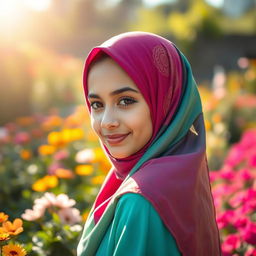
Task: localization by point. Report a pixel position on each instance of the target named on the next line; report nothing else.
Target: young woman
(146, 109)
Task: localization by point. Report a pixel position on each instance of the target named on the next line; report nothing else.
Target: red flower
(249, 233)
(231, 243)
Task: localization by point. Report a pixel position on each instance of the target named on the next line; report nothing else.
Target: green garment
(137, 230)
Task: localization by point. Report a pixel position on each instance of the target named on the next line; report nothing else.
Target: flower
(14, 228)
(64, 173)
(4, 236)
(21, 138)
(34, 214)
(250, 233)
(3, 217)
(13, 250)
(25, 154)
(63, 201)
(98, 180)
(84, 169)
(69, 215)
(60, 155)
(47, 182)
(45, 150)
(232, 242)
(85, 156)
(55, 139)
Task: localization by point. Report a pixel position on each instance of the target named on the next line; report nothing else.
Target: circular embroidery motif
(160, 59)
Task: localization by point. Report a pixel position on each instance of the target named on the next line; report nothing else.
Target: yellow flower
(56, 139)
(4, 236)
(25, 154)
(66, 135)
(45, 150)
(84, 169)
(14, 228)
(64, 173)
(13, 250)
(3, 217)
(98, 180)
(47, 182)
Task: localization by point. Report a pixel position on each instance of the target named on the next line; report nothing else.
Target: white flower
(69, 215)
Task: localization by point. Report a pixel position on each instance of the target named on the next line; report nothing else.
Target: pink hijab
(171, 170)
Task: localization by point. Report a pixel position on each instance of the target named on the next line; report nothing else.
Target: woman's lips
(115, 138)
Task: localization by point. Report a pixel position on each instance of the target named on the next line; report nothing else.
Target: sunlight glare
(8, 9)
(38, 5)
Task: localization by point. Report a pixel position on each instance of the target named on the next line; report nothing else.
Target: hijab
(171, 170)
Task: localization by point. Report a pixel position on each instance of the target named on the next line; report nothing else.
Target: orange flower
(84, 169)
(51, 122)
(47, 182)
(98, 180)
(13, 250)
(14, 228)
(4, 236)
(45, 150)
(64, 173)
(25, 154)
(56, 139)
(3, 217)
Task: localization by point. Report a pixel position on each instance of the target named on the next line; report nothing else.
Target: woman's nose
(109, 120)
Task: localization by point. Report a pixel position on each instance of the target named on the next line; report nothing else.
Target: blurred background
(44, 127)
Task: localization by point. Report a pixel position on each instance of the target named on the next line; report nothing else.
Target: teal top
(137, 230)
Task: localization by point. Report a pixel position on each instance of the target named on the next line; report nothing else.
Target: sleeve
(137, 230)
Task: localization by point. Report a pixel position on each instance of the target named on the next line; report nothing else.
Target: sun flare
(38, 5)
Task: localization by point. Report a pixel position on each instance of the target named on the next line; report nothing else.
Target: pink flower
(53, 167)
(235, 156)
(241, 222)
(50, 199)
(31, 215)
(227, 174)
(225, 219)
(250, 252)
(250, 201)
(238, 199)
(231, 243)
(60, 155)
(21, 138)
(63, 201)
(69, 216)
(245, 175)
(43, 202)
(249, 233)
(252, 160)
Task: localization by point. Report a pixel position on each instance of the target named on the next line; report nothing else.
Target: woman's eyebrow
(121, 90)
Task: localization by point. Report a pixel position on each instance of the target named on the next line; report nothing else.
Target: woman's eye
(96, 104)
(126, 101)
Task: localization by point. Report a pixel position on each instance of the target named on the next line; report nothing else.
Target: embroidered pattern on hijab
(171, 170)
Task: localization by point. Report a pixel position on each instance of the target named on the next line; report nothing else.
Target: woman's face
(119, 114)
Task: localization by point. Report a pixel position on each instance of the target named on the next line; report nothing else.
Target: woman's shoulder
(135, 202)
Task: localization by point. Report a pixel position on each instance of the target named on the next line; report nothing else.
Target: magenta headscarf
(165, 71)
(171, 170)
